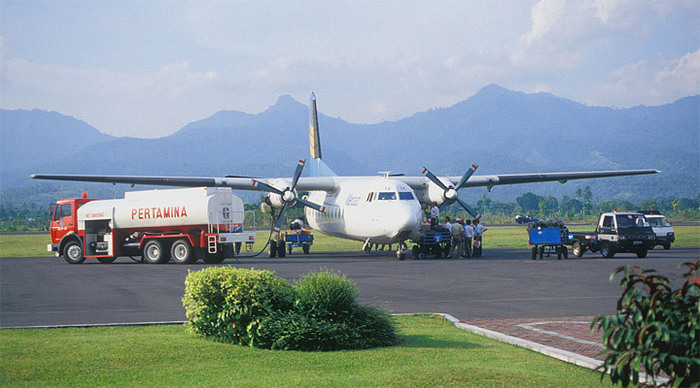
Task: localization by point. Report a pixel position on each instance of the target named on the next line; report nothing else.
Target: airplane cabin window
(386, 196)
(405, 195)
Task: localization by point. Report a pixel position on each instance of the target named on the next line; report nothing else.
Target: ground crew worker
(457, 240)
(478, 231)
(468, 235)
(434, 215)
(448, 226)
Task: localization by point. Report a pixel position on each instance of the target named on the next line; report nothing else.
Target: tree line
(581, 207)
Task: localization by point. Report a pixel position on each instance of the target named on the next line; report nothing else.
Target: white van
(665, 234)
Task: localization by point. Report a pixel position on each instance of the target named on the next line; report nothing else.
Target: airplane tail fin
(317, 166)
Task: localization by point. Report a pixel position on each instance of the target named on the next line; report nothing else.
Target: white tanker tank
(167, 209)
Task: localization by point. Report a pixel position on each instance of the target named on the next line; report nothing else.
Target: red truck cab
(64, 222)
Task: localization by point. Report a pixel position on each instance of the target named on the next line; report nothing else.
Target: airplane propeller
(288, 195)
(450, 193)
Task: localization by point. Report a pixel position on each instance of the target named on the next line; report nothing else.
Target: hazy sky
(147, 68)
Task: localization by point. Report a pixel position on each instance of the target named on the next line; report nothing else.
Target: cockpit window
(386, 196)
(405, 195)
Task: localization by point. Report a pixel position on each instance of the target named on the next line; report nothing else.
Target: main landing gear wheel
(73, 253)
(153, 253)
(273, 248)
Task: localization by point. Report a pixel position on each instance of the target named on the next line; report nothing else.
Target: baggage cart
(547, 238)
(299, 238)
(435, 242)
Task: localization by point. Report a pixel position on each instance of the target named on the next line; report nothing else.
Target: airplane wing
(238, 183)
(511, 179)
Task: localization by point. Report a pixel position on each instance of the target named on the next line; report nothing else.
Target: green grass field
(31, 245)
(433, 353)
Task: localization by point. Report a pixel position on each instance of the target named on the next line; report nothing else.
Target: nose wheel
(401, 251)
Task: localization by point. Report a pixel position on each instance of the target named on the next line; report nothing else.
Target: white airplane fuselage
(378, 210)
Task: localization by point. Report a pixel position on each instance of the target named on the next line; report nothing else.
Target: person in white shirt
(468, 235)
(434, 215)
(478, 232)
(448, 226)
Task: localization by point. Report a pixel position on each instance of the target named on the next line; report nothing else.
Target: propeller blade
(434, 179)
(469, 209)
(466, 176)
(297, 173)
(265, 187)
(312, 205)
(280, 218)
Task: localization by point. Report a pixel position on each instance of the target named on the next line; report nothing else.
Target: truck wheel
(642, 253)
(182, 252)
(73, 253)
(577, 249)
(153, 253)
(540, 251)
(607, 250)
(559, 253)
(667, 246)
(214, 258)
(565, 252)
(305, 248)
(106, 260)
(281, 252)
(534, 253)
(273, 248)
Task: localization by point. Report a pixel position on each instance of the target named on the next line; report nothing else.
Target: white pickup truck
(665, 235)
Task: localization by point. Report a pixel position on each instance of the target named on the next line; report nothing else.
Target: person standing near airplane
(448, 226)
(468, 235)
(434, 215)
(457, 240)
(478, 231)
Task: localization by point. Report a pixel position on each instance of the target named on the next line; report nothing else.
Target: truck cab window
(608, 222)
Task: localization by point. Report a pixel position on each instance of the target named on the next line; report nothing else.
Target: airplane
(382, 209)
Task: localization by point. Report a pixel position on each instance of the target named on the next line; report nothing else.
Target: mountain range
(502, 131)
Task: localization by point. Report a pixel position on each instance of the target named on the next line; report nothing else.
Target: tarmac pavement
(549, 302)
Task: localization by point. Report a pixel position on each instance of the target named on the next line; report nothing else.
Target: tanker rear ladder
(221, 224)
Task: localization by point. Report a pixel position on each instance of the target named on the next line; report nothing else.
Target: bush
(655, 327)
(255, 308)
(226, 304)
(325, 294)
(363, 327)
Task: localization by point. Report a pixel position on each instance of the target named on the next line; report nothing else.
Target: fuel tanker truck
(184, 225)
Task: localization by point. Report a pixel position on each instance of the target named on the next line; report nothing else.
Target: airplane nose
(407, 219)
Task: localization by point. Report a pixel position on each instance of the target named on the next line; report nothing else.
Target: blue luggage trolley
(436, 242)
(299, 238)
(547, 238)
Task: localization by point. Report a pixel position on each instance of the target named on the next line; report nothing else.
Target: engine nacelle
(275, 200)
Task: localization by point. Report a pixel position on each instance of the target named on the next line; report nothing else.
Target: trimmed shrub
(655, 328)
(363, 327)
(325, 294)
(226, 303)
(255, 308)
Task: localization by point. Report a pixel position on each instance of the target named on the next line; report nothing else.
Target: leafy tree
(656, 328)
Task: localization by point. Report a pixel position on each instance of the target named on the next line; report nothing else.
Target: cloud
(650, 82)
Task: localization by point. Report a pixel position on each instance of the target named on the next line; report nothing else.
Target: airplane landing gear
(401, 252)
